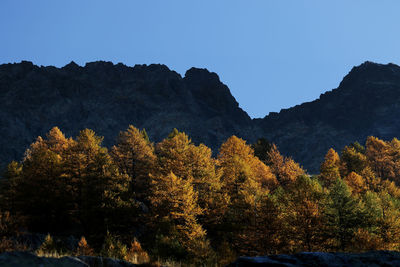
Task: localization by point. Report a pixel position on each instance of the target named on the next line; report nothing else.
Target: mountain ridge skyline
(107, 97)
(73, 63)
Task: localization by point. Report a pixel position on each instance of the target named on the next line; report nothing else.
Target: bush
(136, 254)
(84, 248)
(113, 248)
(48, 247)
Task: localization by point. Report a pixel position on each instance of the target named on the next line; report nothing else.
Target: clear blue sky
(271, 54)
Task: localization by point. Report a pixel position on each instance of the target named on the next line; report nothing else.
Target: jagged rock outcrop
(107, 98)
(367, 102)
(372, 258)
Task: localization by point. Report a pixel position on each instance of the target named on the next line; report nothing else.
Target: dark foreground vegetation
(173, 200)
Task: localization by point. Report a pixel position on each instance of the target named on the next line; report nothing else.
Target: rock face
(373, 258)
(107, 98)
(367, 102)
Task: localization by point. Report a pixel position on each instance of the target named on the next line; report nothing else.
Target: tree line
(181, 202)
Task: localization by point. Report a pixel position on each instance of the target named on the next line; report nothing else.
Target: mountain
(367, 102)
(107, 98)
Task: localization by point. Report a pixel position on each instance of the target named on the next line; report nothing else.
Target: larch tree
(246, 180)
(179, 155)
(379, 157)
(303, 214)
(41, 183)
(175, 211)
(356, 183)
(329, 171)
(343, 214)
(285, 169)
(99, 191)
(134, 156)
(352, 160)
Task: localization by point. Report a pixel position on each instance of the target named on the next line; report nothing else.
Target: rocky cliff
(107, 98)
(367, 102)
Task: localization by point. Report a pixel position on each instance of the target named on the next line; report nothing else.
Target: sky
(271, 54)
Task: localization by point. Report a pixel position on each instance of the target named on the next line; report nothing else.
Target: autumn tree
(84, 248)
(175, 211)
(378, 155)
(303, 214)
(355, 182)
(330, 167)
(353, 159)
(42, 170)
(98, 190)
(247, 181)
(187, 161)
(285, 169)
(235, 158)
(134, 156)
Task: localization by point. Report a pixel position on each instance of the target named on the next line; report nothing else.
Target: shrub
(84, 248)
(136, 254)
(48, 247)
(113, 248)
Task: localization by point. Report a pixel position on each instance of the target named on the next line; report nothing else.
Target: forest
(174, 200)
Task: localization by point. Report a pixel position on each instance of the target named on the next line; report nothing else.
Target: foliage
(186, 205)
(113, 248)
(84, 248)
(48, 246)
(330, 168)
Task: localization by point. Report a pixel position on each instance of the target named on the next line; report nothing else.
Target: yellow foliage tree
(355, 182)
(330, 167)
(285, 169)
(179, 155)
(378, 153)
(352, 159)
(247, 181)
(303, 217)
(175, 211)
(134, 156)
(84, 248)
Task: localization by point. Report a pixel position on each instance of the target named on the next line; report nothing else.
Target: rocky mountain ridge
(107, 97)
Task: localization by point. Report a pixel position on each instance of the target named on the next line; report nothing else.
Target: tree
(179, 155)
(134, 156)
(84, 248)
(343, 215)
(330, 167)
(355, 182)
(285, 169)
(100, 194)
(353, 159)
(378, 155)
(42, 170)
(237, 158)
(247, 181)
(303, 214)
(175, 211)
(383, 221)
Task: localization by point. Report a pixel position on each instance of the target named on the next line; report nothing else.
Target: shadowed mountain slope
(107, 98)
(367, 102)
